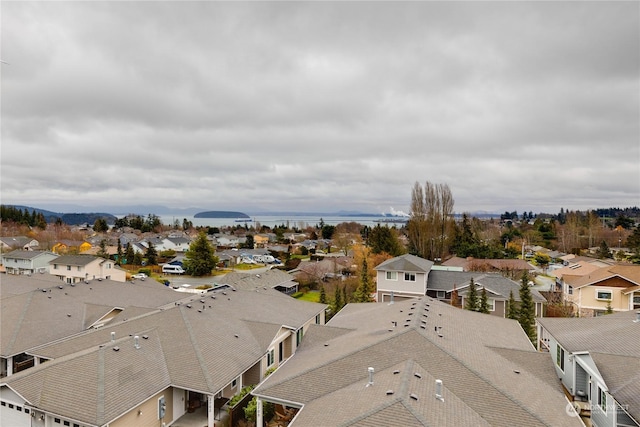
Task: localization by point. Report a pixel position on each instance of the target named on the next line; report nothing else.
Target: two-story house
(10, 243)
(611, 288)
(27, 262)
(402, 277)
(597, 360)
(499, 288)
(80, 268)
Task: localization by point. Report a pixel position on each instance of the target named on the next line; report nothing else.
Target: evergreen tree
(527, 315)
(119, 260)
(483, 306)
(151, 254)
(323, 295)
(345, 296)
(137, 258)
(200, 259)
(365, 289)
(129, 254)
(102, 252)
(337, 300)
(603, 251)
(512, 308)
(100, 225)
(471, 302)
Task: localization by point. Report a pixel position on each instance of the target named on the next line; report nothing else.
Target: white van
(172, 269)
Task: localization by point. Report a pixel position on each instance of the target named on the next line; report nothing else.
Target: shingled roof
(491, 373)
(202, 345)
(406, 262)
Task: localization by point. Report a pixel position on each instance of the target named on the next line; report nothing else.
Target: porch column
(259, 421)
(210, 410)
(10, 366)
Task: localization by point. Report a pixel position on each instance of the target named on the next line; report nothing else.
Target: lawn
(312, 296)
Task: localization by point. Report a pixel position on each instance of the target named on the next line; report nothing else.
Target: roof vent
(60, 287)
(145, 337)
(113, 336)
(188, 305)
(389, 392)
(136, 342)
(417, 375)
(396, 372)
(413, 396)
(439, 390)
(637, 317)
(68, 314)
(370, 370)
(116, 348)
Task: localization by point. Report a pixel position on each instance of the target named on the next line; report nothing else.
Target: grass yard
(312, 296)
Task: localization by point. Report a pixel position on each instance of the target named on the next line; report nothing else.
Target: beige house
(402, 277)
(615, 288)
(150, 369)
(80, 268)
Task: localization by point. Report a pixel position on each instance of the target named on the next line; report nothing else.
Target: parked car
(140, 276)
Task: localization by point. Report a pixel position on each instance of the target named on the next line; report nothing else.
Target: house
(416, 362)
(402, 277)
(27, 261)
(513, 268)
(498, 288)
(80, 268)
(40, 309)
(275, 279)
(324, 268)
(153, 368)
(597, 360)
(70, 246)
(18, 242)
(611, 288)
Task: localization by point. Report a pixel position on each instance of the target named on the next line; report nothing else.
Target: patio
(198, 418)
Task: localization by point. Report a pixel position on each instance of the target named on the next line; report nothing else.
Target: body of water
(302, 221)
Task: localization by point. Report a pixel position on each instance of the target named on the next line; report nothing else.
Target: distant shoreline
(221, 214)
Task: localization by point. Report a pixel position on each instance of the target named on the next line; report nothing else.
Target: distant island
(221, 214)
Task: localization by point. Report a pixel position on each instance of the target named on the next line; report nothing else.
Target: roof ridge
(196, 349)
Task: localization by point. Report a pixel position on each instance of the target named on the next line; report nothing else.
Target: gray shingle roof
(20, 254)
(622, 376)
(79, 260)
(488, 367)
(406, 262)
(193, 348)
(611, 334)
(56, 310)
(500, 285)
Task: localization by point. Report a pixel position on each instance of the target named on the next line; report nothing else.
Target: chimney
(439, 390)
(136, 342)
(370, 383)
(113, 337)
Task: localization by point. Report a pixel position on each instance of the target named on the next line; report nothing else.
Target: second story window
(68, 268)
(409, 277)
(392, 275)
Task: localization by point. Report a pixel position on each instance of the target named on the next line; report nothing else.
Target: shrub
(238, 397)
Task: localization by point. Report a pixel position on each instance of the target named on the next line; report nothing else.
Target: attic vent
(60, 287)
(145, 337)
(44, 290)
(413, 396)
(417, 375)
(202, 301)
(236, 335)
(116, 348)
(213, 296)
(396, 372)
(389, 392)
(326, 344)
(188, 305)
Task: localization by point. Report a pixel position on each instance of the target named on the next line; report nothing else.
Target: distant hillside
(68, 218)
(221, 214)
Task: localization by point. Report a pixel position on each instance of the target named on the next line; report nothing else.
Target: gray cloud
(321, 106)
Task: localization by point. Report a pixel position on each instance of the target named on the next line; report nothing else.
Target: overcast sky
(318, 106)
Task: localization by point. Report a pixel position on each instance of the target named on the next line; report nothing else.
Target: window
(66, 423)
(560, 357)
(19, 408)
(392, 275)
(68, 268)
(409, 277)
(234, 383)
(3, 403)
(26, 410)
(440, 294)
(570, 290)
(602, 399)
(604, 295)
(280, 351)
(270, 358)
(492, 304)
(56, 420)
(299, 334)
(317, 319)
